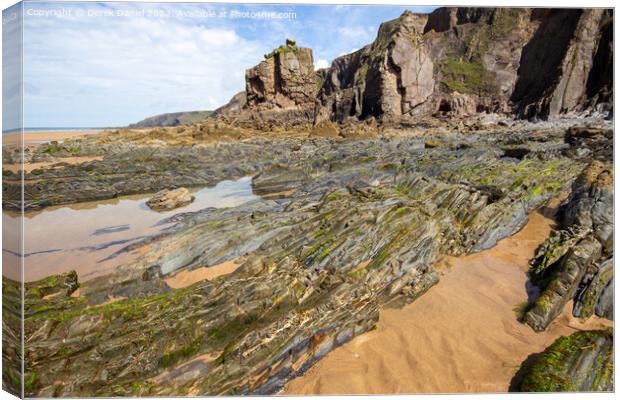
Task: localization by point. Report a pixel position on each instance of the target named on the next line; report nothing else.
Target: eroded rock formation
(574, 263)
(285, 82)
(529, 63)
(560, 59)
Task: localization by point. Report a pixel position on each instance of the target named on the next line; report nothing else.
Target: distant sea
(53, 129)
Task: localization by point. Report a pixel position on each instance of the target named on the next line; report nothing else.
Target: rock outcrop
(486, 59)
(529, 63)
(391, 77)
(581, 362)
(285, 83)
(234, 106)
(560, 60)
(575, 263)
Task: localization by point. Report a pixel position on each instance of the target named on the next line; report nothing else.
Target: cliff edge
(526, 63)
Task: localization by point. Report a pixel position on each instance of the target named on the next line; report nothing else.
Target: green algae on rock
(346, 235)
(574, 262)
(581, 362)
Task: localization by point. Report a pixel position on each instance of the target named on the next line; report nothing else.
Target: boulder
(170, 199)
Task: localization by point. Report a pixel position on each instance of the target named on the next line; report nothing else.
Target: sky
(111, 64)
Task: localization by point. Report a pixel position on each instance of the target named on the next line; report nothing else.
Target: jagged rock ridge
(530, 63)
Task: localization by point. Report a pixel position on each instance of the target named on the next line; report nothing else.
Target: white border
(483, 3)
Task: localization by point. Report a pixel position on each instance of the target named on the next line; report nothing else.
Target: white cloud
(357, 33)
(348, 52)
(156, 66)
(112, 71)
(322, 63)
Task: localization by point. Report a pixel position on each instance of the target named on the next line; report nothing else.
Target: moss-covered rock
(574, 263)
(581, 362)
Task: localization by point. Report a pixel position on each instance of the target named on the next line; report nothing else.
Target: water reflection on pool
(78, 236)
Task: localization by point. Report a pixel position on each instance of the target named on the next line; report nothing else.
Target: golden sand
(38, 137)
(186, 278)
(461, 336)
(29, 167)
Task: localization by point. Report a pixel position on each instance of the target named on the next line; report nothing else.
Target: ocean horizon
(51, 129)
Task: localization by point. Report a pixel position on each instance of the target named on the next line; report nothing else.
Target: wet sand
(42, 137)
(186, 278)
(461, 336)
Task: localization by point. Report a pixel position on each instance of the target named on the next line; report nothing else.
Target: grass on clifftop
(280, 50)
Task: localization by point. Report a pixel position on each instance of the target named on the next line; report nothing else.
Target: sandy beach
(41, 137)
(29, 167)
(461, 336)
(186, 278)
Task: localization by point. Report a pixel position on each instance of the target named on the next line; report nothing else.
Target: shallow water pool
(80, 236)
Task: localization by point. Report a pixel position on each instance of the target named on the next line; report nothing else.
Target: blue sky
(86, 66)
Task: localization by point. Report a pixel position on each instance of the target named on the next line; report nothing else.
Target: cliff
(527, 63)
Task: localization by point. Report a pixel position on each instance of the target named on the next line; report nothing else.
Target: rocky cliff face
(560, 59)
(284, 81)
(531, 63)
(391, 77)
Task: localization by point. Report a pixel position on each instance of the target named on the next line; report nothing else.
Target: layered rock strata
(356, 224)
(575, 263)
(285, 83)
(581, 362)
